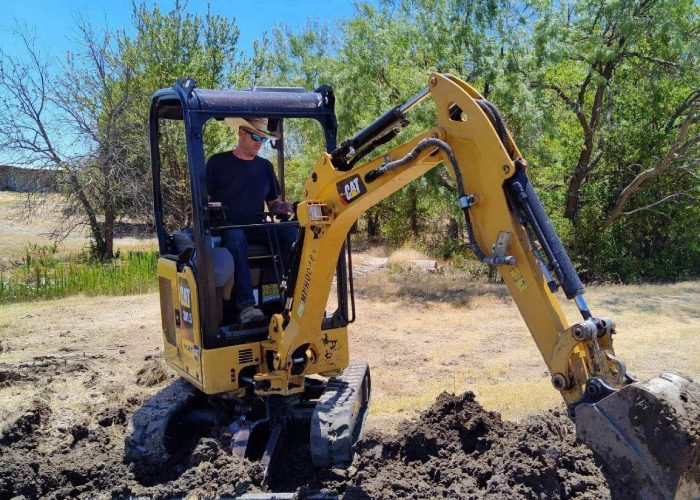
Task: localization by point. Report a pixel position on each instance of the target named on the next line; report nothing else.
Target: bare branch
(657, 202)
(677, 152)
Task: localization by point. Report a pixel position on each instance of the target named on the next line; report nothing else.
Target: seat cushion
(183, 240)
(222, 263)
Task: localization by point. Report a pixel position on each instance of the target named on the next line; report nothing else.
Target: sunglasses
(255, 137)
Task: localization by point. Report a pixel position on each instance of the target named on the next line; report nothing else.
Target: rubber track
(334, 427)
(145, 439)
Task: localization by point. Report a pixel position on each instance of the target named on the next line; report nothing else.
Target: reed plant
(40, 275)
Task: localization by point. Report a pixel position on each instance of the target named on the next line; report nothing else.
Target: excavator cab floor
(649, 436)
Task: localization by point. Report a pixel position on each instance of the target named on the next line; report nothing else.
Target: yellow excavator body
(628, 423)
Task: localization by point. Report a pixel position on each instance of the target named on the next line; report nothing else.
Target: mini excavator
(293, 374)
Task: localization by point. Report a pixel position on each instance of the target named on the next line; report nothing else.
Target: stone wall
(27, 179)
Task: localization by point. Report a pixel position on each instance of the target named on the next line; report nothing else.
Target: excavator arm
(646, 433)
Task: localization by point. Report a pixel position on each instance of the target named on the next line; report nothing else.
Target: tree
(585, 45)
(98, 98)
(41, 110)
(623, 77)
(379, 58)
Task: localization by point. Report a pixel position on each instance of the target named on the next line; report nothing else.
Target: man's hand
(281, 206)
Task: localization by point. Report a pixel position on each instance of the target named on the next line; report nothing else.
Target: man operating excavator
(292, 375)
(242, 182)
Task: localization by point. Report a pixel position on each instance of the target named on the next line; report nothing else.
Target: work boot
(251, 314)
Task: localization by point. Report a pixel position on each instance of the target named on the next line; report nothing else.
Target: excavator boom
(646, 432)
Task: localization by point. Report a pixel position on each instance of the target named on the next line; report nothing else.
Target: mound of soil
(87, 459)
(152, 373)
(455, 449)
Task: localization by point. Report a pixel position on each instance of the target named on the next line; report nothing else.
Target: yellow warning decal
(520, 282)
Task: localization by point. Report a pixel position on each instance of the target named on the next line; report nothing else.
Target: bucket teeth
(649, 435)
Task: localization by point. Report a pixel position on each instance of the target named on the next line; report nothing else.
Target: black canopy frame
(183, 101)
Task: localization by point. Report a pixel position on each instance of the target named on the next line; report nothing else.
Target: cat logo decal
(351, 189)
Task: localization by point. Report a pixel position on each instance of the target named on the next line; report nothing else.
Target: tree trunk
(95, 229)
(109, 233)
(413, 209)
(372, 223)
(585, 161)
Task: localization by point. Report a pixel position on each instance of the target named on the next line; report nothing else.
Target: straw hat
(257, 124)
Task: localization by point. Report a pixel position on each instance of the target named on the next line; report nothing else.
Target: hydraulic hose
(465, 201)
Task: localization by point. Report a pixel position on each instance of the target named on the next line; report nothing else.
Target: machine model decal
(307, 283)
(351, 189)
(186, 309)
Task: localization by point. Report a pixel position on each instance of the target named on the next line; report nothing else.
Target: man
(243, 181)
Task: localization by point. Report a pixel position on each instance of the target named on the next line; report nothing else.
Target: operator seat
(222, 265)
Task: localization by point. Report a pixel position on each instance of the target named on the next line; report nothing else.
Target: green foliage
(595, 94)
(42, 276)
(602, 98)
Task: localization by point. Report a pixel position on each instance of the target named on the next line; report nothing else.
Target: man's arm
(277, 205)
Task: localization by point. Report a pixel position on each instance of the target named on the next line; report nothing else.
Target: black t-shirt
(242, 186)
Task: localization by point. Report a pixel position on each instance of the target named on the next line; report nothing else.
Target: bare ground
(73, 370)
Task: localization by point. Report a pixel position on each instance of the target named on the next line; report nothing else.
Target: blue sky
(54, 20)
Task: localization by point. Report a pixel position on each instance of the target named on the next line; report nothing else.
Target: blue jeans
(237, 240)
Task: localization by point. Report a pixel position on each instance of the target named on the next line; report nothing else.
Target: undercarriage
(331, 412)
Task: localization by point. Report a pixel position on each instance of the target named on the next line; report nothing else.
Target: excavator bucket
(649, 435)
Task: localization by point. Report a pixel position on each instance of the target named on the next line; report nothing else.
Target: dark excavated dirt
(455, 449)
(458, 450)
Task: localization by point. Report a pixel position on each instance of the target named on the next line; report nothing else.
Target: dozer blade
(339, 416)
(649, 435)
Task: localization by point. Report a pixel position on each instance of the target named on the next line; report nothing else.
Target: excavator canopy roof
(274, 103)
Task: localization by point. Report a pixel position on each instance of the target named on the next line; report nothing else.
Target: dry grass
(403, 256)
(421, 334)
(18, 230)
(655, 324)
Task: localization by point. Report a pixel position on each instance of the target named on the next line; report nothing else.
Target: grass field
(422, 333)
(19, 230)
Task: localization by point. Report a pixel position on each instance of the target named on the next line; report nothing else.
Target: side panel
(180, 318)
(221, 367)
(189, 341)
(331, 350)
(169, 310)
(212, 371)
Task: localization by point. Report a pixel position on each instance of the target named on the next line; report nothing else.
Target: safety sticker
(520, 282)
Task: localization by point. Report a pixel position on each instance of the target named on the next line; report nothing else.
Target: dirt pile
(153, 373)
(86, 459)
(56, 445)
(455, 449)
